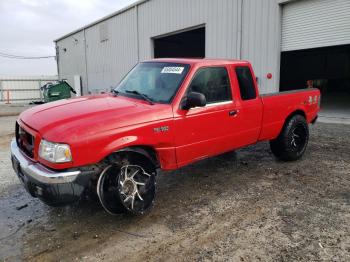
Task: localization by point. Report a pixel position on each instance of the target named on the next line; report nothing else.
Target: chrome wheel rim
(107, 191)
(133, 182)
(298, 138)
(128, 187)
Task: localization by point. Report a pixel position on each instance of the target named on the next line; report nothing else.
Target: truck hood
(59, 120)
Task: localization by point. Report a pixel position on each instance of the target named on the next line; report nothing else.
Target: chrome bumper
(37, 171)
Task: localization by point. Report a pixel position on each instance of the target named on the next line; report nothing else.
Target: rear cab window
(213, 83)
(245, 83)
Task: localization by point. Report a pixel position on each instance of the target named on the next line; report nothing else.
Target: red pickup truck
(165, 114)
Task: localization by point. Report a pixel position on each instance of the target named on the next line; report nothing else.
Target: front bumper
(55, 188)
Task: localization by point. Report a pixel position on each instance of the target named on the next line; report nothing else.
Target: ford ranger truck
(165, 114)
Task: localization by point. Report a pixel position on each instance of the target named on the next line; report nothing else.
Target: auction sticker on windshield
(172, 70)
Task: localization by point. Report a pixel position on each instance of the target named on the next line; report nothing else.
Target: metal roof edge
(282, 2)
(102, 19)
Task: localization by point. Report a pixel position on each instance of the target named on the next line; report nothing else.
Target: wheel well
(146, 152)
(297, 112)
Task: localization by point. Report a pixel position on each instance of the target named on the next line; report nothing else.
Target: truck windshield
(156, 81)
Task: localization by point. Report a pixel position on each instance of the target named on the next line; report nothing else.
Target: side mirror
(192, 100)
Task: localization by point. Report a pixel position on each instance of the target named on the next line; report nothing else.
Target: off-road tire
(291, 143)
(111, 192)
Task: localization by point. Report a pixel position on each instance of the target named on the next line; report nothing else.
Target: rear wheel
(292, 142)
(127, 185)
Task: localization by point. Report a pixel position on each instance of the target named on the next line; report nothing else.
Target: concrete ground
(242, 206)
(13, 109)
(7, 127)
(335, 108)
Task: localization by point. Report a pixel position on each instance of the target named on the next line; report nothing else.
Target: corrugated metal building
(275, 35)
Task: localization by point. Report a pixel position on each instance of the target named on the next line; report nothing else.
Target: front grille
(25, 141)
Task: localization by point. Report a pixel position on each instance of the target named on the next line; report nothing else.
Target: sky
(28, 28)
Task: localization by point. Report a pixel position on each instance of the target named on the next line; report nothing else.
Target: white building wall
(261, 41)
(221, 20)
(71, 58)
(108, 60)
(248, 29)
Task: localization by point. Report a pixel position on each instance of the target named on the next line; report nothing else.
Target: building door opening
(189, 44)
(326, 68)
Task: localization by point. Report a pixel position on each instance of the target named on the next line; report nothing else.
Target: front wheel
(291, 144)
(128, 186)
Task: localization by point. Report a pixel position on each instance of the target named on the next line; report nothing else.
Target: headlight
(55, 153)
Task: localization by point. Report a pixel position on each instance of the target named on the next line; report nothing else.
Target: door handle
(233, 113)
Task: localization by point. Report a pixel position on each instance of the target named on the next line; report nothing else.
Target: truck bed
(278, 106)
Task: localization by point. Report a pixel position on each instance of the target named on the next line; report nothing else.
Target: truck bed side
(279, 106)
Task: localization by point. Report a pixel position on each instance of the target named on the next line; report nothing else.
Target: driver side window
(214, 83)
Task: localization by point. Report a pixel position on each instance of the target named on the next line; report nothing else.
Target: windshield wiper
(115, 92)
(145, 97)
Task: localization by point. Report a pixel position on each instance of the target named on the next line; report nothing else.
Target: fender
(157, 146)
(128, 143)
(291, 112)
(270, 130)
(143, 152)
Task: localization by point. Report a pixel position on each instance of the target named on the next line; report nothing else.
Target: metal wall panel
(71, 58)
(220, 18)
(261, 41)
(130, 38)
(108, 60)
(315, 23)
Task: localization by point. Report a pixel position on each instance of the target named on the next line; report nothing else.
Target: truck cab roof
(199, 61)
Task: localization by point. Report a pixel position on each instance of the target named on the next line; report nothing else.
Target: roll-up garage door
(315, 23)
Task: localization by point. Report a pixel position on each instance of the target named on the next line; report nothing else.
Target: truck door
(205, 131)
(249, 105)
